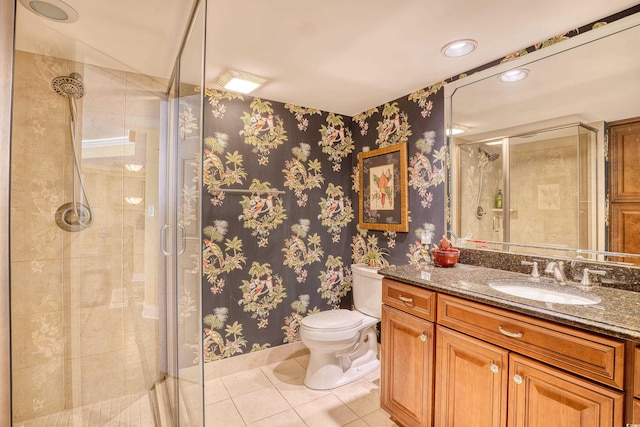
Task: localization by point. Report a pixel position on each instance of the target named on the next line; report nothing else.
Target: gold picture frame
(383, 200)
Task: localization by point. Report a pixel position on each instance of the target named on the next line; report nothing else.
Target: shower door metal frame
(7, 24)
(183, 412)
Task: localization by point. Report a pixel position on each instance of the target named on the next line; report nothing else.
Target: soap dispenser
(498, 203)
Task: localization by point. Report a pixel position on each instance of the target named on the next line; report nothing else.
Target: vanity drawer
(411, 299)
(583, 353)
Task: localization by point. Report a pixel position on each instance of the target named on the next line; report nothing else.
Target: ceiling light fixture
(133, 167)
(459, 48)
(55, 10)
(133, 200)
(455, 130)
(239, 81)
(514, 75)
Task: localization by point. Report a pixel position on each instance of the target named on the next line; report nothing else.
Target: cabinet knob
(423, 338)
(517, 379)
(494, 368)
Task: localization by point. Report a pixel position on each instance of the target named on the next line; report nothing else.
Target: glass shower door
(181, 233)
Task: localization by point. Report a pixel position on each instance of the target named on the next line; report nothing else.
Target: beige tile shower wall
(470, 169)
(544, 192)
(78, 333)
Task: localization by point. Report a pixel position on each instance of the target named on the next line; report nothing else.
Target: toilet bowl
(343, 344)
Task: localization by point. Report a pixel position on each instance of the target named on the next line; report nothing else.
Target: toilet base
(326, 370)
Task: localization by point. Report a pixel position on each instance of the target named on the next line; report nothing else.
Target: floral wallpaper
(281, 248)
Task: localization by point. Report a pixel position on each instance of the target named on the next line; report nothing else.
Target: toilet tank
(367, 290)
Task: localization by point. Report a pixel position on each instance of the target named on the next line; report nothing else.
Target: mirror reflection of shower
(74, 215)
(485, 158)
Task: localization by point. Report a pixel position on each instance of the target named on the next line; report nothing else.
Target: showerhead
(70, 85)
(490, 157)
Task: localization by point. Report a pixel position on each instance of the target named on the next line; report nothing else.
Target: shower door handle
(183, 239)
(163, 240)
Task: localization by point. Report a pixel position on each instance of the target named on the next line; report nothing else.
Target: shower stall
(547, 185)
(105, 238)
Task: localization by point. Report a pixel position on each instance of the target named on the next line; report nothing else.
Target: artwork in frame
(383, 189)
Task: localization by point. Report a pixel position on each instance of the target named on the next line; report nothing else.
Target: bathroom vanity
(456, 351)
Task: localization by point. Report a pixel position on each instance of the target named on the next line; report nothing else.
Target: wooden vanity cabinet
(476, 382)
(495, 367)
(471, 381)
(540, 395)
(407, 353)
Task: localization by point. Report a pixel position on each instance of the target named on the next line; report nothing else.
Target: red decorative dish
(445, 257)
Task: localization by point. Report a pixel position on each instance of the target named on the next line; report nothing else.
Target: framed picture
(383, 189)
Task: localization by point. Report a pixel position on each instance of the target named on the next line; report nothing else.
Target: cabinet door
(624, 185)
(471, 381)
(543, 396)
(407, 367)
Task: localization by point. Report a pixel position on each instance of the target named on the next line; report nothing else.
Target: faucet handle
(586, 279)
(535, 273)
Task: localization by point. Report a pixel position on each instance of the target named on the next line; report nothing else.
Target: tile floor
(269, 396)
(275, 396)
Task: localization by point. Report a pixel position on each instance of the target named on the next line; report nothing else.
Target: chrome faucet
(557, 269)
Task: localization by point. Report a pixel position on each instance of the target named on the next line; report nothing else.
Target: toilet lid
(333, 320)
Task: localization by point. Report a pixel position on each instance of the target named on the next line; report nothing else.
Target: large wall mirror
(529, 168)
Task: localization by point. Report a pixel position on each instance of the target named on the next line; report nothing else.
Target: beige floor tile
(374, 376)
(303, 360)
(260, 404)
(222, 414)
(357, 423)
(327, 411)
(362, 396)
(284, 419)
(378, 418)
(282, 371)
(245, 382)
(215, 391)
(296, 393)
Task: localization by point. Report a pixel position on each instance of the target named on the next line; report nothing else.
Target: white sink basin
(546, 292)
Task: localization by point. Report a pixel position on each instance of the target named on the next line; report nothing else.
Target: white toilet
(342, 343)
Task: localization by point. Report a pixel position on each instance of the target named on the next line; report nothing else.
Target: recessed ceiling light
(514, 75)
(55, 10)
(459, 48)
(239, 81)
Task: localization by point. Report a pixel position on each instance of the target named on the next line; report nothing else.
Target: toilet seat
(333, 320)
(335, 325)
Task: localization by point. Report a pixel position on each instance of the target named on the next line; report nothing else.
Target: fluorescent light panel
(238, 81)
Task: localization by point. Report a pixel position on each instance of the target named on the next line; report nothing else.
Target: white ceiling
(339, 56)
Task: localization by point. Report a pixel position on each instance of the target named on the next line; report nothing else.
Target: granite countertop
(616, 315)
